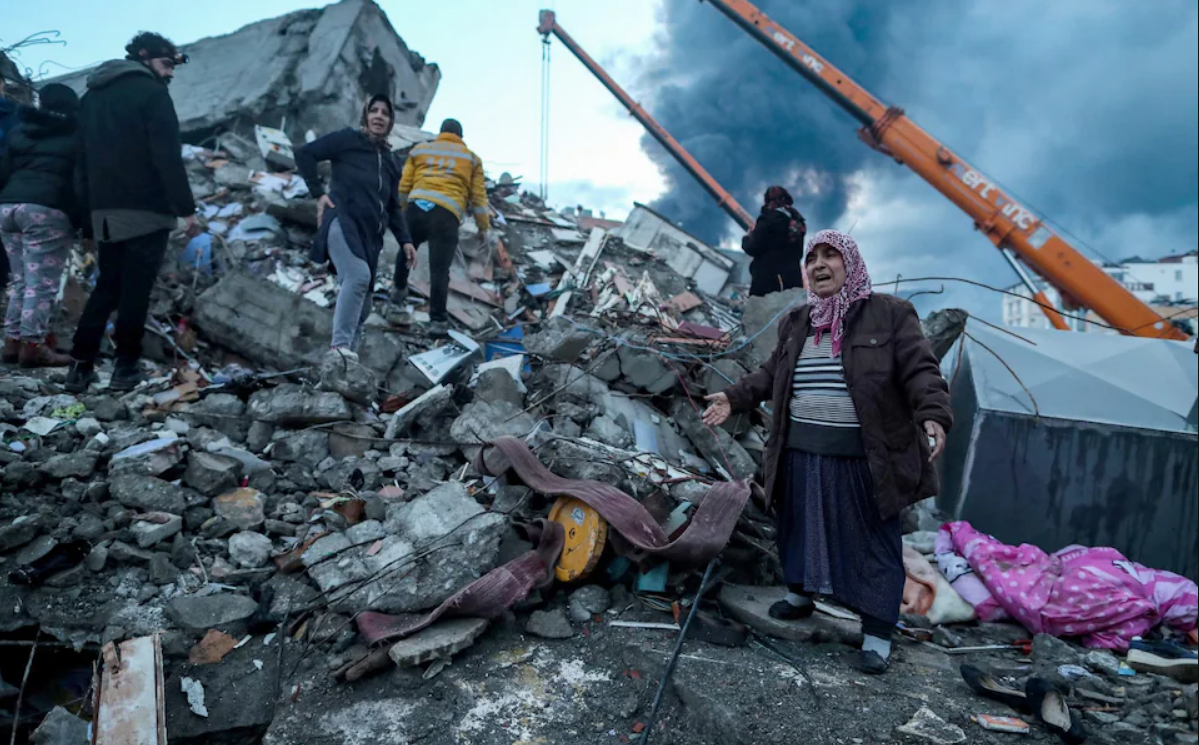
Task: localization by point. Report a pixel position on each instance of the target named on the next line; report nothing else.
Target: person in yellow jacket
(441, 184)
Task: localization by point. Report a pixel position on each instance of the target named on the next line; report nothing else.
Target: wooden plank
(474, 292)
(129, 700)
(464, 310)
(684, 302)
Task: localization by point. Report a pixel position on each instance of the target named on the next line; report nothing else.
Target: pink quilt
(1093, 593)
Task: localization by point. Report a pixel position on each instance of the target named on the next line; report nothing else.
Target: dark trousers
(439, 227)
(127, 273)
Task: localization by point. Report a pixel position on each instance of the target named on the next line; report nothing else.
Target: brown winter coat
(895, 384)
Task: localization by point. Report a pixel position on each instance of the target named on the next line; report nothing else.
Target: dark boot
(126, 375)
(12, 351)
(439, 329)
(40, 354)
(80, 376)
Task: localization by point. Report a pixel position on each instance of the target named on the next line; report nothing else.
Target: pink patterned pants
(37, 240)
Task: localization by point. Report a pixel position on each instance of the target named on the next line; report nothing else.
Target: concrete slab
(751, 606)
(442, 639)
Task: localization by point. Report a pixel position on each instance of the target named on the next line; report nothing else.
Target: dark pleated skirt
(831, 538)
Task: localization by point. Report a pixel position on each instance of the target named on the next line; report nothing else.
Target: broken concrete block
(273, 327)
(147, 494)
(447, 516)
(290, 405)
(497, 385)
(242, 508)
(483, 421)
(646, 371)
(751, 606)
(309, 446)
(586, 602)
(288, 597)
(223, 412)
(762, 314)
(550, 624)
(350, 440)
(19, 532)
(148, 458)
(925, 725)
(60, 727)
(212, 474)
(351, 379)
(424, 410)
(249, 550)
(943, 327)
(442, 639)
(558, 339)
(149, 533)
(607, 431)
(77, 465)
(717, 445)
(332, 564)
(211, 611)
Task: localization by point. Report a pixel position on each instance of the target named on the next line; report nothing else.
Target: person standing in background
(133, 188)
(775, 245)
(442, 181)
(38, 218)
(8, 120)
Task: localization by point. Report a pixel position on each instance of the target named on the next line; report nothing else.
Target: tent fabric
(1115, 380)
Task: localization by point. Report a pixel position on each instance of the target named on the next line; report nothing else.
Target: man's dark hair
(59, 98)
(453, 126)
(154, 46)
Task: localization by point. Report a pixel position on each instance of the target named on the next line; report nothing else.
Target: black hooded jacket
(131, 152)
(365, 192)
(38, 163)
(776, 246)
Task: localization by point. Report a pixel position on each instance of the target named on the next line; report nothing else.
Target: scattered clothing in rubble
(839, 511)
(131, 178)
(365, 200)
(442, 181)
(775, 243)
(1093, 593)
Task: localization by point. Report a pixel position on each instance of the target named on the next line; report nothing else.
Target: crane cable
(544, 173)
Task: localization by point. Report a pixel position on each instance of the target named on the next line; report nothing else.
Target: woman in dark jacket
(775, 244)
(38, 216)
(361, 204)
(857, 396)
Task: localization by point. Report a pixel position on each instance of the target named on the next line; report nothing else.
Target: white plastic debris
(195, 696)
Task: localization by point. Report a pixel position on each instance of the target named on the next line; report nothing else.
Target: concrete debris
(926, 726)
(60, 727)
(258, 484)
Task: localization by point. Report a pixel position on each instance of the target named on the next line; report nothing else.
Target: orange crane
(1012, 227)
(549, 25)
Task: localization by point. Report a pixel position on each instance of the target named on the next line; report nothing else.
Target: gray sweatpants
(353, 297)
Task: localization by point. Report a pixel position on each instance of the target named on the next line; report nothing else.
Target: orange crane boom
(1006, 223)
(549, 25)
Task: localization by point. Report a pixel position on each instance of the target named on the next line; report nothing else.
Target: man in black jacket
(133, 186)
(775, 244)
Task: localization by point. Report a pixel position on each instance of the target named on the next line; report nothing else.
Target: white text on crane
(1022, 218)
(789, 44)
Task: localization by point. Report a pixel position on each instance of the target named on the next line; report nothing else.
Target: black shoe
(987, 687)
(871, 663)
(126, 375)
(80, 376)
(783, 610)
(1050, 707)
(439, 329)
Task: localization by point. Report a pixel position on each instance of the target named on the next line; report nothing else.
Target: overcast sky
(1085, 109)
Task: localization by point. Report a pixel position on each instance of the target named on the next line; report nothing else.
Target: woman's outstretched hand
(937, 432)
(718, 411)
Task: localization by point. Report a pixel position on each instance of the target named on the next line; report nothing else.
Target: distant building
(1169, 285)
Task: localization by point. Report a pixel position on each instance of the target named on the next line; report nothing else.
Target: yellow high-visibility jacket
(447, 173)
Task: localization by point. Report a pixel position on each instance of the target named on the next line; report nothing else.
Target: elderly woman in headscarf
(360, 205)
(775, 244)
(860, 410)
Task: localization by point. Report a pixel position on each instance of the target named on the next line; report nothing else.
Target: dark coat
(777, 251)
(38, 163)
(131, 152)
(895, 384)
(365, 191)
